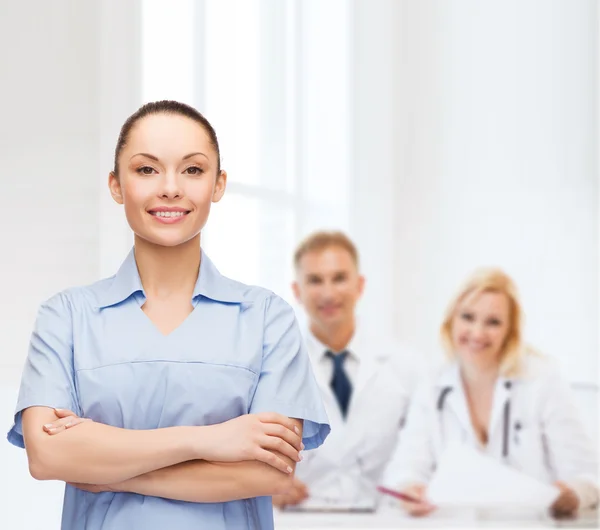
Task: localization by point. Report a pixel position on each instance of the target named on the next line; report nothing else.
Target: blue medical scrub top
(94, 351)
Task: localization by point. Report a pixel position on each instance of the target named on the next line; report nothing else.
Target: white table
(392, 518)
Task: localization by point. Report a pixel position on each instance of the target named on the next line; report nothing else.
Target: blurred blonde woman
(499, 396)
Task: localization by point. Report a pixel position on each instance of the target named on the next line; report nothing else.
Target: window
(272, 77)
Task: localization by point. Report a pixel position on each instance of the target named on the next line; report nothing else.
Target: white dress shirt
(323, 363)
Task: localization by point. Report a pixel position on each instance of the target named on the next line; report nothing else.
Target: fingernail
(289, 469)
(300, 457)
(68, 425)
(48, 426)
(297, 431)
(58, 410)
(301, 446)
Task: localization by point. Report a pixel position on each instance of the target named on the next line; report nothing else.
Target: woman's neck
(168, 271)
(478, 378)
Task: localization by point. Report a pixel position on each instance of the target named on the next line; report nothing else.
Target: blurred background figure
(365, 379)
(499, 396)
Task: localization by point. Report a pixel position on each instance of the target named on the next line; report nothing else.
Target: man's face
(328, 285)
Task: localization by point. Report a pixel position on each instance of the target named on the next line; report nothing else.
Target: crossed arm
(249, 456)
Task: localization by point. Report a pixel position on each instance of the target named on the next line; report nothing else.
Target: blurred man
(365, 381)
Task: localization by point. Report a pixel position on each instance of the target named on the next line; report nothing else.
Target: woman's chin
(477, 358)
(166, 240)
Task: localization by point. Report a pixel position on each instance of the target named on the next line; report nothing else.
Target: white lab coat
(545, 437)
(346, 469)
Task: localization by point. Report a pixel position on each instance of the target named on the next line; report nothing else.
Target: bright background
(440, 135)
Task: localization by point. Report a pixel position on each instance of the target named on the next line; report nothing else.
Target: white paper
(467, 477)
(313, 504)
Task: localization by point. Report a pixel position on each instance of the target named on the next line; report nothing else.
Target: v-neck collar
(457, 399)
(210, 284)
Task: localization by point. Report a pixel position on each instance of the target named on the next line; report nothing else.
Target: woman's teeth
(168, 214)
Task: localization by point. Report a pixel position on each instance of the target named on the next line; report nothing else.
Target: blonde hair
(495, 281)
(318, 241)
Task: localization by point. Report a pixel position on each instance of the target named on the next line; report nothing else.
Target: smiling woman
(177, 182)
(499, 396)
(158, 397)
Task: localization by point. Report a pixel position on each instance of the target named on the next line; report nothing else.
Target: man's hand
(297, 493)
(567, 503)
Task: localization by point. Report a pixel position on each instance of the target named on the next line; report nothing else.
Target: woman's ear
(220, 186)
(114, 185)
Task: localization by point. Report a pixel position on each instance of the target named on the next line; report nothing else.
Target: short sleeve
(287, 384)
(47, 379)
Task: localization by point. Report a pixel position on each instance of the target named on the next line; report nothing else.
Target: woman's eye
(145, 170)
(467, 316)
(194, 170)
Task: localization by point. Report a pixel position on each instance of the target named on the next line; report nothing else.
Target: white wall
(376, 141)
(492, 110)
(49, 160)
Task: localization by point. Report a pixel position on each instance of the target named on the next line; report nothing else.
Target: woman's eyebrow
(152, 157)
(146, 155)
(193, 154)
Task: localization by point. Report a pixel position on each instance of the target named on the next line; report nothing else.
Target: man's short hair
(319, 241)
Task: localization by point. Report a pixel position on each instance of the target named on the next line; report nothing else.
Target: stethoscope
(505, 420)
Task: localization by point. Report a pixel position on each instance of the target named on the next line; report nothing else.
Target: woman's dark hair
(165, 107)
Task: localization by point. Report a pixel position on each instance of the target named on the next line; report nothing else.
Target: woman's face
(480, 327)
(167, 179)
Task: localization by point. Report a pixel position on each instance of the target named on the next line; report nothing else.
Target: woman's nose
(477, 331)
(170, 187)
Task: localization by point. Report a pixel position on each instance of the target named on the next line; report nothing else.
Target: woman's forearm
(202, 481)
(94, 453)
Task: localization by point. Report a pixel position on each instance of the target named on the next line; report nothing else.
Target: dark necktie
(340, 383)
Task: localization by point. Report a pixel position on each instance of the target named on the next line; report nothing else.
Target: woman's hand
(567, 503)
(254, 437)
(248, 437)
(417, 509)
(66, 420)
